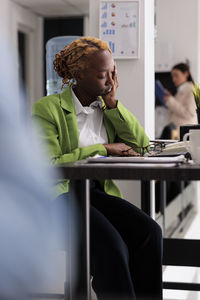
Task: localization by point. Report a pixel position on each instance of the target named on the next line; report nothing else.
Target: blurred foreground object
(28, 243)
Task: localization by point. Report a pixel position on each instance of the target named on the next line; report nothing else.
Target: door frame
(31, 25)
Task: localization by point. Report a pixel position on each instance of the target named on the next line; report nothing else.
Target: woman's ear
(186, 73)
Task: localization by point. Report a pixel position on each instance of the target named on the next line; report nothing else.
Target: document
(132, 165)
(160, 92)
(137, 160)
(175, 147)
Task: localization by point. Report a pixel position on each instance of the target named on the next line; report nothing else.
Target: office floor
(185, 274)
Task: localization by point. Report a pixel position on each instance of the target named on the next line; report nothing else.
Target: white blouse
(182, 107)
(90, 123)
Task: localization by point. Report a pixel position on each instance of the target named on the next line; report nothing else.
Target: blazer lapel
(108, 125)
(67, 103)
(109, 129)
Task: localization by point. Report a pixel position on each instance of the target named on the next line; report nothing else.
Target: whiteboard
(119, 27)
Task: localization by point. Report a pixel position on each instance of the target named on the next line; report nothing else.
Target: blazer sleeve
(126, 127)
(47, 128)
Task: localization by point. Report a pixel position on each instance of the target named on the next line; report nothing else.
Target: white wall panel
(177, 34)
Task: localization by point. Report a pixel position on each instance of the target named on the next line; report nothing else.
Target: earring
(73, 81)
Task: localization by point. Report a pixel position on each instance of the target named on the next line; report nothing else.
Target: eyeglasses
(154, 148)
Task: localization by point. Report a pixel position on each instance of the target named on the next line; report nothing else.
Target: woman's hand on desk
(120, 149)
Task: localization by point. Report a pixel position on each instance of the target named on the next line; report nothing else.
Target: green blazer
(58, 128)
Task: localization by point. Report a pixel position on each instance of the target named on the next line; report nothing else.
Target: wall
(32, 26)
(5, 19)
(177, 34)
(198, 43)
(12, 18)
(86, 25)
(136, 78)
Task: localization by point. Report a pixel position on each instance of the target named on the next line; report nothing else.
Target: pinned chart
(119, 27)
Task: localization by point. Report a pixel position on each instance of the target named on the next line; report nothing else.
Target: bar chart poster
(119, 27)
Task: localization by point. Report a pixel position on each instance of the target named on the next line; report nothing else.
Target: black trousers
(126, 250)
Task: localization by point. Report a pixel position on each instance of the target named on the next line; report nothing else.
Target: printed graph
(119, 26)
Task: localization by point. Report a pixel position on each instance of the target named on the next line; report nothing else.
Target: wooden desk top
(130, 172)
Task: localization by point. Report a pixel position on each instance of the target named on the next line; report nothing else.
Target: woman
(182, 107)
(85, 120)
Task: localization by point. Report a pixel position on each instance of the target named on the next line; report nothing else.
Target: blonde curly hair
(73, 59)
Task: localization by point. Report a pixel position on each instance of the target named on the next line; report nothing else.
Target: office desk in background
(80, 176)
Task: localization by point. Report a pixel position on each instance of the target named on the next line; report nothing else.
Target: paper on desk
(175, 147)
(137, 159)
(136, 165)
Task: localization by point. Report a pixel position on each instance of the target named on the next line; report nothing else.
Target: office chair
(176, 253)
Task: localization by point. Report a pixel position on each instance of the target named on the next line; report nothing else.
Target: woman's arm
(125, 126)
(120, 123)
(49, 135)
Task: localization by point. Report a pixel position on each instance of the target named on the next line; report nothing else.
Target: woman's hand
(166, 95)
(109, 98)
(120, 149)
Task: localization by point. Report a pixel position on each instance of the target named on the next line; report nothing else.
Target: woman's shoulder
(185, 89)
(46, 105)
(55, 99)
(55, 102)
(48, 99)
(189, 86)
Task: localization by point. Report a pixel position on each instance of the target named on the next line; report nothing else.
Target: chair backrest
(53, 46)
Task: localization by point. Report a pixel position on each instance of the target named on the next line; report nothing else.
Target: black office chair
(167, 132)
(175, 253)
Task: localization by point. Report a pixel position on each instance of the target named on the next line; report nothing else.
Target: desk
(80, 174)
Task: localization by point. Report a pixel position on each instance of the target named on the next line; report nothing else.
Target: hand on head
(109, 98)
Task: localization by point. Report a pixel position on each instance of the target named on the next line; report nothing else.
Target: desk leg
(148, 197)
(183, 213)
(80, 273)
(152, 199)
(163, 201)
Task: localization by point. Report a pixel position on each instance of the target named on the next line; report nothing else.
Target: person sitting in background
(182, 107)
(85, 120)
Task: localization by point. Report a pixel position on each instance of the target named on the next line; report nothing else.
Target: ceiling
(51, 8)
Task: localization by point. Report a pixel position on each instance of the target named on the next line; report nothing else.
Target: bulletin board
(119, 27)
